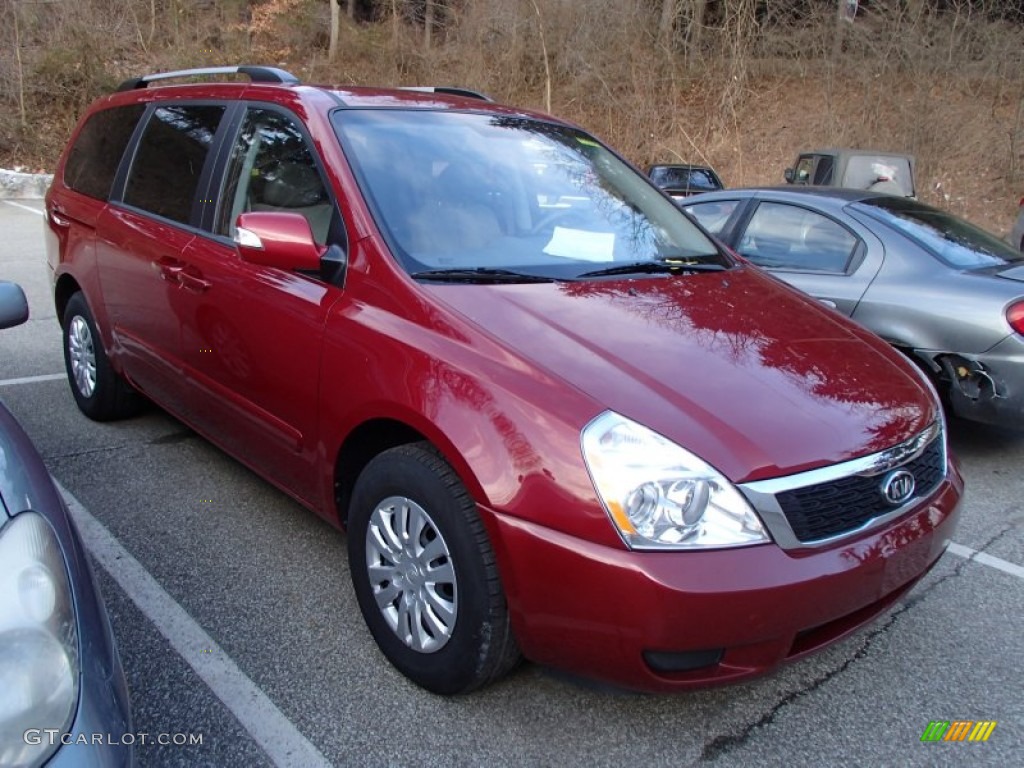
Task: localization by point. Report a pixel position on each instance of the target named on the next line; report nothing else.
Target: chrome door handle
(193, 283)
(57, 219)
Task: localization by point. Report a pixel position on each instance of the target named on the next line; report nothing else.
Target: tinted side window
(272, 169)
(784, 236)
(93, 160)
(170, 159)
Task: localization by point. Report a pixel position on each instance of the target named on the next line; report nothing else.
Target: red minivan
(556, 418)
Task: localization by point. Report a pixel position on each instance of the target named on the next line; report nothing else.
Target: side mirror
(277, 239)
(789, 175)
(13, 305)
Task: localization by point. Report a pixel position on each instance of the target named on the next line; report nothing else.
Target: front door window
(272, 168)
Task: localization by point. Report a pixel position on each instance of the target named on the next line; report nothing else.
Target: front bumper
(662, 621)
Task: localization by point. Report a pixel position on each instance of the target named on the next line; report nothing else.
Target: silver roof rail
(450, 90)
(256, 75)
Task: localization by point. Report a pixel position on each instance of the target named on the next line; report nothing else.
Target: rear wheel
(100, 393)
(424, 573)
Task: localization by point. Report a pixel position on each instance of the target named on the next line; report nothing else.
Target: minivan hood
(755, 378)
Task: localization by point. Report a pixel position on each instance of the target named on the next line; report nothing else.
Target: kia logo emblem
(898, 486)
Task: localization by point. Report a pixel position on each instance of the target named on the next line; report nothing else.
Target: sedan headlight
(38, 640)
(661, 496)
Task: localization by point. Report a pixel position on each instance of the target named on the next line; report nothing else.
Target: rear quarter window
(712, 216)
(96, 154)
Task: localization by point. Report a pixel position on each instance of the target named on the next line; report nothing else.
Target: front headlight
(661, 496)
(38, 640)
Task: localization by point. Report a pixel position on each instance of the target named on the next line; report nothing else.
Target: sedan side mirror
(277, 239)
(788, 173)
(13, 305)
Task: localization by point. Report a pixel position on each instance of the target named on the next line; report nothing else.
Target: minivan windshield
(498, 196)
(950, 239)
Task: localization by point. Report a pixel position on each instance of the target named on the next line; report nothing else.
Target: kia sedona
(557, 420)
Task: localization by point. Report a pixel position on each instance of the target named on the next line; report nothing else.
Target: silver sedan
(946, 293)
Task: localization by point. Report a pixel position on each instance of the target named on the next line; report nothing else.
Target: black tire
(109, 397)
(480, 647)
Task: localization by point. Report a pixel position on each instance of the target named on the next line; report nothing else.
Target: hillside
(742, 85)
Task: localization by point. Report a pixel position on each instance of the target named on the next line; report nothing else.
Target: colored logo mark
(958, 730)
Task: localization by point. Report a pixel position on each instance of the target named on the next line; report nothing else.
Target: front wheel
(424, 573)
(100, 393)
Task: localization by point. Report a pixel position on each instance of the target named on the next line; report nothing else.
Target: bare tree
(671, 10)
(332, 51)
(666, 22)
(696, 25)
(21, 69)
(544, 51)
(428, 23)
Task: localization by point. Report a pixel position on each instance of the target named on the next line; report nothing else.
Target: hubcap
(82, 356)
(411, 574)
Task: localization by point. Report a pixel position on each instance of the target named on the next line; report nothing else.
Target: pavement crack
(86, 452)
(727, 742)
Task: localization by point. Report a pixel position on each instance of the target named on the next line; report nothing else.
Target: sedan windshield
(489, 195)
(950, 239)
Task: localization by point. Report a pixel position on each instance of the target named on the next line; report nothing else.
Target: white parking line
(986, 559)
(275, 733)
(32, 379)
(24, 207)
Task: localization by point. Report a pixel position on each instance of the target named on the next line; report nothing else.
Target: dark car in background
(61, 680)
(555, 417)
(946, 293)
(682, 180)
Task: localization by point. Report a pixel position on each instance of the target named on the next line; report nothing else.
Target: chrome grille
(827, 504)
(829, 509)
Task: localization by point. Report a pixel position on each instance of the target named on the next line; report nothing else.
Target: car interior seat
(296, 187)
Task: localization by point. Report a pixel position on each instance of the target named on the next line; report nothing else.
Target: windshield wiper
(671, 266)
(479, 275)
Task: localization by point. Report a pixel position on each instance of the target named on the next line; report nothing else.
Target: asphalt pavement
(236, 621)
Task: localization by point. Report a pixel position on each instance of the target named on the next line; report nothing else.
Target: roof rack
(256, 75)
(450, 90)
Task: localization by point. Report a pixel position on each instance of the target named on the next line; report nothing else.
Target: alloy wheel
(82, 356)
(411, 574)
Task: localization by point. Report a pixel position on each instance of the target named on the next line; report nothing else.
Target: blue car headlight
(39, 665)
